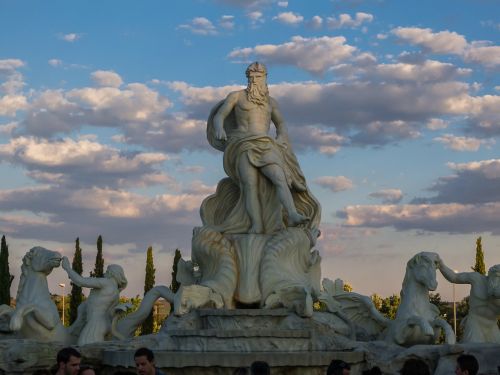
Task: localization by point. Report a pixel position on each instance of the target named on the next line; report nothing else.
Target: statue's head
(423, 268)
(494, 281)
(116, 272)
(40, 259)
(257, 91)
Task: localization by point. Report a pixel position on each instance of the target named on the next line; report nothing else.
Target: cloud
(314, 55)
(106, 78)
(84, 162)
(55, 62)
(486, 55)
(316, 22)
(440, 42)
(428, 70)
(255, 17)
(437, 124)
(227, 22)
(11, 98)
(448, 217)
(388, 196)
(71, 37)
(334, 183)
(283, 4)
(289, 18)
(345, 20)
(458, 143)
(200, 26)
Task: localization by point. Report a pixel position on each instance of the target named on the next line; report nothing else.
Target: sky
(393, 110)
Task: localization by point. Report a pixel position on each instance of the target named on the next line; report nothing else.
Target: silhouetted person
(338, 367)
(415, 366)
(260, 368)
(466, 365)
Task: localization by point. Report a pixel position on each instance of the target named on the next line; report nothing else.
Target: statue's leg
(249, 179)
(275, 173)
(448, 331)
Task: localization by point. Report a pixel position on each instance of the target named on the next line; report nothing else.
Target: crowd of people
(69, 362)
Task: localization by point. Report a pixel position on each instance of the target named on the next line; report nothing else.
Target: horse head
(40, 259)
(422, 268)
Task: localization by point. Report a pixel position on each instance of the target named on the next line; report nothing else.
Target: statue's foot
(295, 219)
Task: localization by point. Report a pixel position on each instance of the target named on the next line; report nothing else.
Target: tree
(175, 285)
(99, 260)
(5, 276)
(76, 291)
(149, 282)
(479, 266)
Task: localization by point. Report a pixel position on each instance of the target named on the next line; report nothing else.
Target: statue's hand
(283, 139)
(220, 134)
(65, 264)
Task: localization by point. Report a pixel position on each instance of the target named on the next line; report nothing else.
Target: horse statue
(36, 316)
(417, 320)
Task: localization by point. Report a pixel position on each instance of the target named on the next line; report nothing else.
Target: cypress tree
(76, 291)
(479, 266)
(174, 285)
(5, 276)
(149, 282)
(99, 260)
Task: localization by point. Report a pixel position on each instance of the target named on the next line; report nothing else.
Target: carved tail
(125, 327)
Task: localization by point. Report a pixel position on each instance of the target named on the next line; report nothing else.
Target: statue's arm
(86, 282)
(278, 121)
(224, 111)
(455, 277)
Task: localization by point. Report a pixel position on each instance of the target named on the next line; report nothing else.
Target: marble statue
(417, 320)
(260, 226)
(96, 312)
(36, 315)
(480, 324)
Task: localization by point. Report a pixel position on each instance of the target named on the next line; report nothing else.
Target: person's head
(68, 361)
(257, 91)
(466, 365)
(494, 281)
(115, 271)
(86, 370)
(338, 367)
(260, 368)
(144, 361)
(414, 366)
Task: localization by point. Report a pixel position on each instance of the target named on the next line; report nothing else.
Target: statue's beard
(258, 93)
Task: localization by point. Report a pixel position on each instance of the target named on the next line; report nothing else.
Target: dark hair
(85, 368)
(373, 371)
(260, 368)
(64, 354)
(414, 366)
(337, 366)
(148, 353)
(468, 362)
(240, 371)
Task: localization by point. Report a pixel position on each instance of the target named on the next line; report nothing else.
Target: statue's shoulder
(234, 95)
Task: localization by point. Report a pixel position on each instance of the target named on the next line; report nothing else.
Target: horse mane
(24, 271)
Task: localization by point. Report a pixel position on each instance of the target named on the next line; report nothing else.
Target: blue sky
(393, 108)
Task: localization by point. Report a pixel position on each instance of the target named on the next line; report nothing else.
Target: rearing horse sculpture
(417, 320)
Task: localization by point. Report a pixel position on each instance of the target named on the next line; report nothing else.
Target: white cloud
(486, 55)
(429, 70)
(8, 66)
(227, 22)
(200, 26)
(334, 183)
(289, 18)
(11, 104)
(458, 143)
(490, 169)
(381, 36)
(437, 124)
(71, 37)
(107, 78)
(255, 17)
(283, 4)
(316, 22)
(440, 42)
(345, 20)
(55, 62)
(388, 196)
(315, 55)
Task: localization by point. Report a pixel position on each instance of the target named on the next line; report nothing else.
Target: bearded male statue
(480, 324)
(266, 190)
(255, 245)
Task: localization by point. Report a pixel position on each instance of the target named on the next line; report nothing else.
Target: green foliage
(348, 287)
(174, 285)
(76, 292)
(99, 260)
(479, 266)
(387, 306)
(149, 282)
(5, 276)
